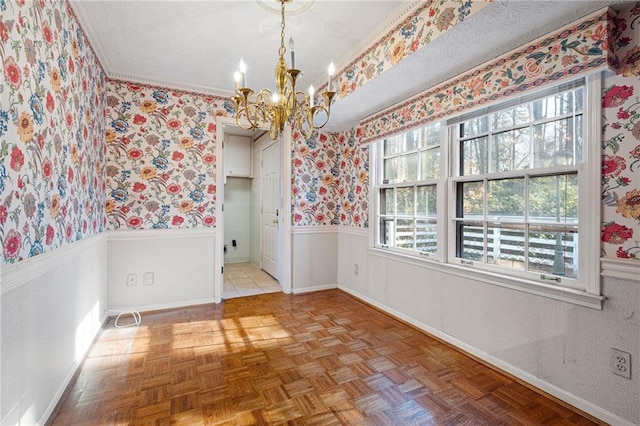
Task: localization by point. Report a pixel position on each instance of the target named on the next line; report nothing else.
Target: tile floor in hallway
(245, 279)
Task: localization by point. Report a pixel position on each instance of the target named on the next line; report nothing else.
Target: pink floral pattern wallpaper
(329, 180)
(585, 46)
(430, 20)
(161, 149)
(52, 174)
(621, 145)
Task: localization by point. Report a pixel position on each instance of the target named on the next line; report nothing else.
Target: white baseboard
(159, 307)
(547, 387)
(313, 288)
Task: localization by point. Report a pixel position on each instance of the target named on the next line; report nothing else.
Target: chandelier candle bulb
(292, 48)
(243, 71)
(237, 77)
(311, 93)
(332, 70)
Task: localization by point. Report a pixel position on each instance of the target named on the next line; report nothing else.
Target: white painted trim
(377, 35)
(286, 260)
(539, 383)
(314, 288)
(356, 232)
(620, 268)
(84, 22)
(17, 274)
(160, 306)
(577, 297)
(590, 201)
(73, 369)
(157, 82)
(320, 229)
(218, 246)
(160, 234)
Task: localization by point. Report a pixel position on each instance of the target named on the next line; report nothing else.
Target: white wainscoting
(181, 260)
(314, 258)
(559, 347)
(52, 306)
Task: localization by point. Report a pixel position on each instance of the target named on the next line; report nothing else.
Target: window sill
(576, 297)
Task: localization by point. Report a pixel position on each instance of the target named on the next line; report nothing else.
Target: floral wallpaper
(52, 187)
(584, 46)
(430, 20)
(315, 180)
(621, 145)
(329, 180)
(353, 193)
(161, 170)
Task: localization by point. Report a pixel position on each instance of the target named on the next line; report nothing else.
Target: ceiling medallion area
(293, 8)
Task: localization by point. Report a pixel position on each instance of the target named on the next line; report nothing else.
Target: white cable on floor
(137, 319)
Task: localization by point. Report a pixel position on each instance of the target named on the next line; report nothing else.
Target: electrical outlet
(356, 269)
(147, 278)
(132, 280)
(621, 363)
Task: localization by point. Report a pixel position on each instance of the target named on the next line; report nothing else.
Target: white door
(270, 176)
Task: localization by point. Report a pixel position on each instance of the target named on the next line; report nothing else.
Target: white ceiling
(196, 45)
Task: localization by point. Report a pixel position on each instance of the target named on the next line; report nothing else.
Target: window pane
(472, 195)
(427, 200)
(553, 250)
(475, 156)
(511, 150)
(506, 199)
(578, 100)
(430, 164)
(413, 139)
(578, 147)
(391, 146)
(426, 236)
(554, 198)
(404, 234)
(553, 106)
(470, 244)
(408, 168)
(387, 204)
(406, 201)
(511, 117)
(474, 127)
(553, 143)
(505, 245)
(386, 231)
(390, 170)
(432, 135)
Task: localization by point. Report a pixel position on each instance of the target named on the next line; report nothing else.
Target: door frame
(285, 194)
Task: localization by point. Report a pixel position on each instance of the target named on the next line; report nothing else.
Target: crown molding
(89, 31)
(377, 34)
(150, 81)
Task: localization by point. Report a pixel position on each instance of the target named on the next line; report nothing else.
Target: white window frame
(585, 291)
(376, 174)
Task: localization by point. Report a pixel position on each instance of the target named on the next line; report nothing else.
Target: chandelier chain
(282, 49)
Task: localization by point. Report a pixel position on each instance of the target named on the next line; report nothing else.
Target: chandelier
(285, 104)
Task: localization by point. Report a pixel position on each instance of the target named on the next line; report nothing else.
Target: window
(407, 191)
(508, 195)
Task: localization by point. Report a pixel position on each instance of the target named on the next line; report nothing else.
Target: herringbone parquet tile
(315, 359)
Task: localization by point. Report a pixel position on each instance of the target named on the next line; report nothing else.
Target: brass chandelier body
(285, 105)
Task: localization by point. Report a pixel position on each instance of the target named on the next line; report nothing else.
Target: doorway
(260, 191)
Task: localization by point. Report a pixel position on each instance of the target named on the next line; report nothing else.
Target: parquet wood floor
(314, 359)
